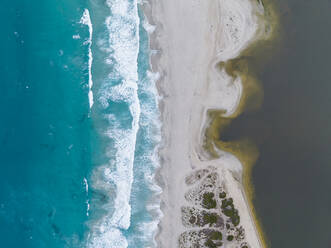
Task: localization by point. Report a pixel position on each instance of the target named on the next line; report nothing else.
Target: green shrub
(222, 195)
(210, 218)
(230, 238)
(215, 235)
(208, 200)
(209, 243)
(227, 202)
(235, 219)
(229, 211)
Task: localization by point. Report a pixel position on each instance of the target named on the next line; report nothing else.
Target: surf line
(86, 20)
(87, 201)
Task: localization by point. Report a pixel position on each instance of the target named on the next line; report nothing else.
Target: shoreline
(200, 99)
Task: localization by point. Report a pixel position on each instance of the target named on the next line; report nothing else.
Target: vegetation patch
(208, 200)
(222, 195)
(230, 238)
(210, 218)
(229, 210)
(216, 235)
(240, 234)
(211, 244)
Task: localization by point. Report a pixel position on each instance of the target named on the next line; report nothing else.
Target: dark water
(293, 130)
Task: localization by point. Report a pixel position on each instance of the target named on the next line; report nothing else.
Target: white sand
(190, 38)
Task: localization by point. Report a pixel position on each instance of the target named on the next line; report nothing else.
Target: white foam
(87, 200)
(148, 27)
(86, 20)
(86, 185)
(108, 238)
(122, 48)
(148, 228)
(150, 122)
(76, 36)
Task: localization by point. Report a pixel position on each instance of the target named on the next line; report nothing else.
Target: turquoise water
(75, 176)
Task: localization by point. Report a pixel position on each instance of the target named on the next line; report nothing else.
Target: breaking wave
(126, 100)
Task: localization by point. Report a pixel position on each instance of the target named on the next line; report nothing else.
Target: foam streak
(86, 20)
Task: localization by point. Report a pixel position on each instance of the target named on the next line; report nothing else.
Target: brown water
(292, 176)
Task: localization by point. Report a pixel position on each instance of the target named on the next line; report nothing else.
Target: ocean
(79, 129)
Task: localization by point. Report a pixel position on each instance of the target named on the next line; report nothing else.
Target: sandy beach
(190, 39)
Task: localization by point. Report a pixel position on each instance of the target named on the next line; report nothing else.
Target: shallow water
(293, 130)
